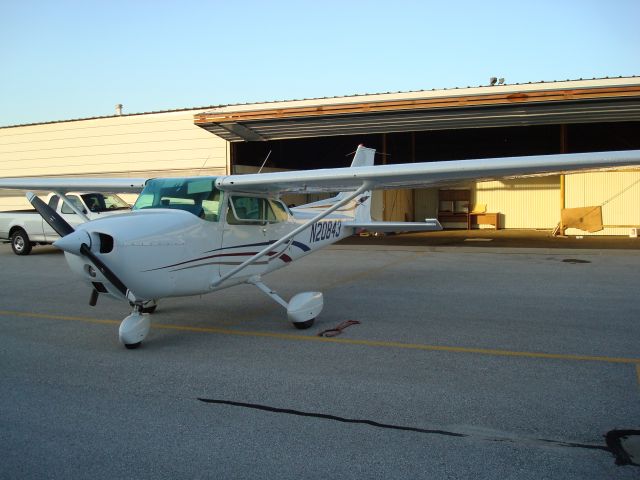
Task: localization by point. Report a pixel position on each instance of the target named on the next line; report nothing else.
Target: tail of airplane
(364, 157)
(358, 211)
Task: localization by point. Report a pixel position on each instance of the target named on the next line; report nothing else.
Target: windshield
(104, 202)
(195, 195)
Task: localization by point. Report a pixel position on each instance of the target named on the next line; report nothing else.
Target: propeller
(106, 271)
(73, 241)
(50, 216)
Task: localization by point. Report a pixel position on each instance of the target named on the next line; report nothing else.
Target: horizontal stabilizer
(430, 224)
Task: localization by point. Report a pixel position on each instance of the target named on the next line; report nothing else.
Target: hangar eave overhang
(586, 105)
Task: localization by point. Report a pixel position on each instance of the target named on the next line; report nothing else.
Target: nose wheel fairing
(135, 327)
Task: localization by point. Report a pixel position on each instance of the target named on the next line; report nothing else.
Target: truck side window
(53, 201)
(76, 202)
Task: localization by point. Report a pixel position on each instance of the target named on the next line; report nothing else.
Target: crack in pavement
(473, 433)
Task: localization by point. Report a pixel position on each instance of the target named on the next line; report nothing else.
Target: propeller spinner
(73, 241)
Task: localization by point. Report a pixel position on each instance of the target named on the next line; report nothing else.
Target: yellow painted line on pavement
(638, 372)
(48, 316)
(346, 341)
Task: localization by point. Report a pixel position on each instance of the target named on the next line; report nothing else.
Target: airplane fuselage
(171, 252)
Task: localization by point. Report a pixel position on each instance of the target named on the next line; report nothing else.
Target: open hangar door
(304, 154)
(394, 205)
(527, 203)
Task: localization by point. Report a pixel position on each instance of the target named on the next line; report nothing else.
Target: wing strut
(363, 188)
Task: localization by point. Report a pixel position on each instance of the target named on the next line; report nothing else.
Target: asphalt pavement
(470, 361)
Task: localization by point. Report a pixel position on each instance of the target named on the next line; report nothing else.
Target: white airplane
(191, 236)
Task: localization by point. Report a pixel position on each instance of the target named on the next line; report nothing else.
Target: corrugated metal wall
(534, 203)
(426, 204)
(524, 203)
(617, 192)
(162, 144)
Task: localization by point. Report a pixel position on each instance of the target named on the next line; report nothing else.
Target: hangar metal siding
(617, 192)
(532, 203)
(164, 144)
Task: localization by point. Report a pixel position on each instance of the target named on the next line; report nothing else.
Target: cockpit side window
(254, 210)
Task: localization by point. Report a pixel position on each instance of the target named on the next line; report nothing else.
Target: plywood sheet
(588, 219)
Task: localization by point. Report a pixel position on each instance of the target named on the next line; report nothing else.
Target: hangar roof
(579, 101)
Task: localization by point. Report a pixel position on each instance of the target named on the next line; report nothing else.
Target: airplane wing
(428, 174)
(64, 185)
(407, 175)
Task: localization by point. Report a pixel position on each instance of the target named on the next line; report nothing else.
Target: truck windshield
(104, 202)
(195, 195)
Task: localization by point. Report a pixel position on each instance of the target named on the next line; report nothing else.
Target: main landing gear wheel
(304, 325)
(302, 309)
(131, 346)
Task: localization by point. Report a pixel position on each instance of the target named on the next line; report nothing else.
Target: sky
(68, 59)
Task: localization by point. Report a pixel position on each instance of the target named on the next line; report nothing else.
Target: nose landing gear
(134, 328)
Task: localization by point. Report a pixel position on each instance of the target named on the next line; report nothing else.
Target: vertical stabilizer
(364, 157)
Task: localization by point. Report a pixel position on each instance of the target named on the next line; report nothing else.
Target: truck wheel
(20, 242)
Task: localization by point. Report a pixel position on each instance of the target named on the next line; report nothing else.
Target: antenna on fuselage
(265, 161)
(205, 162)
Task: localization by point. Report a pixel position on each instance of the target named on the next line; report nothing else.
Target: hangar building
(447, 124)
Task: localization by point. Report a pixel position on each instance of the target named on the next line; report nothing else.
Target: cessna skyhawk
(190, 236)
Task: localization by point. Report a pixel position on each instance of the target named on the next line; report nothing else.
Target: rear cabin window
(281, 212)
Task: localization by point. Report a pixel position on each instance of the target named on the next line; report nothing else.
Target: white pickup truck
(26, 228)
